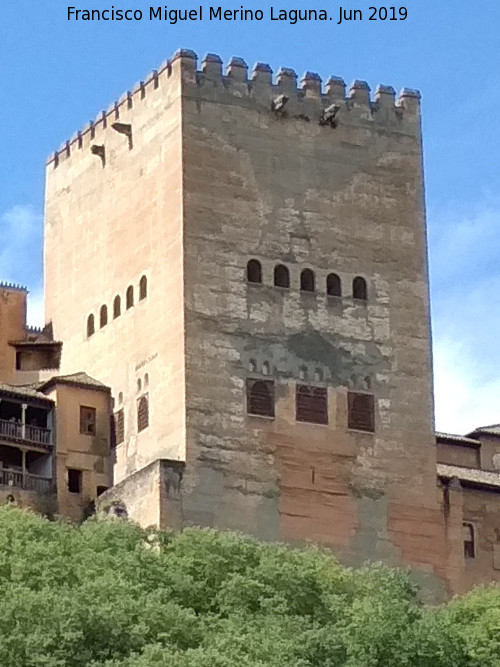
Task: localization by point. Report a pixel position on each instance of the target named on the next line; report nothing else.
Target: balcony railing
(11, 430)
(28, 481)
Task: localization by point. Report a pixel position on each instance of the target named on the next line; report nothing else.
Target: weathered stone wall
(107, 226)
(347, 199)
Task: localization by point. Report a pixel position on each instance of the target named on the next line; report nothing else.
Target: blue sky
(56, 75)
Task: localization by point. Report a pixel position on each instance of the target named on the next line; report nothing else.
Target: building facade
(242, 261)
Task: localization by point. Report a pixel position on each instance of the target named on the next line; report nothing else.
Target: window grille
(260, 398)
(119, 426)
(361, 411)
(142, 413)
(311, 404)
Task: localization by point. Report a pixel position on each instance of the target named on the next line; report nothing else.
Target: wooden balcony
(25, 434)
(26, 481)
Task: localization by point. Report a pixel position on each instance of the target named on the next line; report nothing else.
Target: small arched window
(303, 372)
(307, 281)
(333, 285)
(318, 375)
(254, 272)
(146, 381)
(90, 326)
(281, 276)
(252, 366)
(266, 368)
(143, 288)
(103, 316)
(260, 398)
(359, 290)
(139, 385)
(142, 413)
(117, 307)
(129, 297)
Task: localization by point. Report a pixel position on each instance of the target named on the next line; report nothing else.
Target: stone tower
(243, 261)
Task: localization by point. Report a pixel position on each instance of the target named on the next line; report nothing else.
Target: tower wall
(284, 186)
(114, 214)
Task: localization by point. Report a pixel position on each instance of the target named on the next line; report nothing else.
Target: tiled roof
(459, 439)
(77, 380)
(24, 391)
(471, 475)
(492, 429)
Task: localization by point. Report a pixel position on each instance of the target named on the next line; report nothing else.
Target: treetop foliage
(110, 594)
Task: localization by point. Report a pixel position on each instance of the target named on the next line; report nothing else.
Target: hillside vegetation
(110, 594)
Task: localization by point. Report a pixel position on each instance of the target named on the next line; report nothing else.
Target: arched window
(307, 281)
(146, 381)
(103, 316)
(143, 288)
(318, 375)
(142, 413)
(139, 385)
(281, 276)
(129, 297)
(359, 290)
(333, 285)
(252, 366)
(254, 271)
(117, 307)
(90, 326)
(260, 398)
(266, 368)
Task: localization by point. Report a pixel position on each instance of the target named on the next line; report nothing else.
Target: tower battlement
(309, 100)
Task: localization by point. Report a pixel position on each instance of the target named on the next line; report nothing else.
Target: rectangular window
(260, 398)
(87, 420)
(74, 480)
(469, 541)
(311, 404)
(119, 424)
(361, 411)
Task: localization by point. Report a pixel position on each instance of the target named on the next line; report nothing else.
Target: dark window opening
(119, 422)
(90, 326)
(87, 420)
(260, 398)
(129, 297)
(361, 411)
(101, 490)
(469, 541)
(307, 281)
(74, 480)
(142, 413)
(333, 285)
(18, 361)
(103, 316)
(311, 404)
(254, 272)
(117, 307)
(281, 276)
(143, 288)
(359, 290)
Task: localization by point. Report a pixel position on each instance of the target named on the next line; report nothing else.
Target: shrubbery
(110, 594)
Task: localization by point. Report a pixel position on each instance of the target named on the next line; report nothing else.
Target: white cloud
(465, 282)
(21, 255)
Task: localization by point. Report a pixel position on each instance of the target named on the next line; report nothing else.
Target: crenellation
(13, 286)
(385, 96)
(335, 88)
(311, 85)
(211, 68)
(359, 92)
(237, 71)
(307, 101)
